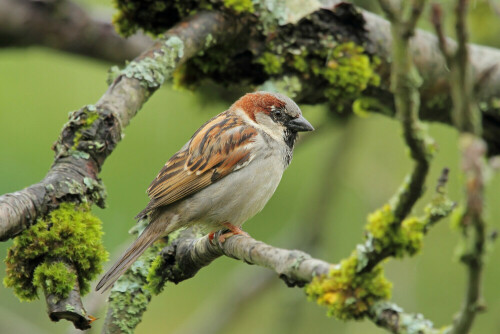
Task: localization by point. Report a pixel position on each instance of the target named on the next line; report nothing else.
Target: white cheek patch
(265, 124)
(273, 129)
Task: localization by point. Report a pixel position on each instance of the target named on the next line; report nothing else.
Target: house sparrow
(223, 176)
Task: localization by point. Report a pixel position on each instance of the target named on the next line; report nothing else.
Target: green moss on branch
(54, 278)
(70, 234)
(156, 16)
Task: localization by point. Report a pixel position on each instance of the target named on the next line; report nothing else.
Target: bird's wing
(218, 148)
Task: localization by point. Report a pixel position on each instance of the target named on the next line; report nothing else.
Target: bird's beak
(299, 124)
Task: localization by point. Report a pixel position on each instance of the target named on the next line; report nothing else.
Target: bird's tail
(150, 234)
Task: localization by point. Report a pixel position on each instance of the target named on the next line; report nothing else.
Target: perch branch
(405, 83)
(187, 255)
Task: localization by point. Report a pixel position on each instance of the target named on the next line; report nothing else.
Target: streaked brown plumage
(223, 176)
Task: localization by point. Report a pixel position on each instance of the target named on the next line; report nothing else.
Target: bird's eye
(277, 113)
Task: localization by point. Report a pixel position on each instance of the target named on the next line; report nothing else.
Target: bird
(223, 176)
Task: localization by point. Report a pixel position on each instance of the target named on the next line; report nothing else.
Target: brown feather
(216, 149)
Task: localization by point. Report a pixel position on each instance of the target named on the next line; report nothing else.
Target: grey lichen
(289, 85)
(130, 295)
(152, 72)
(392, 316)
(96, 190)
(274, 13)
(80, 154)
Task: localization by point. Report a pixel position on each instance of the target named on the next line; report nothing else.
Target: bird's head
(275, 113)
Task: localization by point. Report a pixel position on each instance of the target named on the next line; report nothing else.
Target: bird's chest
(242, 194)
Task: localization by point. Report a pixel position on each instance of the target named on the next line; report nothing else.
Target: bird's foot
(211, 237)
(234, 230)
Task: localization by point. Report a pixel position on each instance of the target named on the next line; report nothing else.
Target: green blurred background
(38, 87)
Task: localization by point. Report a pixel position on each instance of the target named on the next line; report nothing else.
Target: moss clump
(344, 70)
(208, 63)
(240, 6)
(69, 234)
(405, 239)
(272, 63)
(347, 293)
(156, 16)
(348, 70)
(160, 270)
(224, 64)
(55, 278)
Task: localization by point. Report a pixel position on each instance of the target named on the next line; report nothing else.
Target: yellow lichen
(348, 294)
(379, 221)
(400, 239)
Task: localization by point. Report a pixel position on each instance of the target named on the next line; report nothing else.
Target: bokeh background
(345, 170)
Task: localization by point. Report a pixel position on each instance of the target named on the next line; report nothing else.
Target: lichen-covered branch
(188, 254)
(66, 26)
(387, 227)
(344, 288)
(69, 308)
(332, 52)
(473, 227)
(392, 317)
(405, 83)
(130, 296)
(466, 116)
(303, 46)
(435, 89)
(92, 132)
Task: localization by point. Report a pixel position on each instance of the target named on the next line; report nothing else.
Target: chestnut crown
(278, 107)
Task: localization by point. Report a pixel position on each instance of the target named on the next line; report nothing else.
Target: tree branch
(371, 31)
(473, 149)
(405, 83)
(65, 26)
(69, 308)
(187, 255)
(93, 131)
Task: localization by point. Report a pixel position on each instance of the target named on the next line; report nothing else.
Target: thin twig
(474, 228)
(473, 148)
(437, 19)
(405, 82)
(417, 7)
(390, 11)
